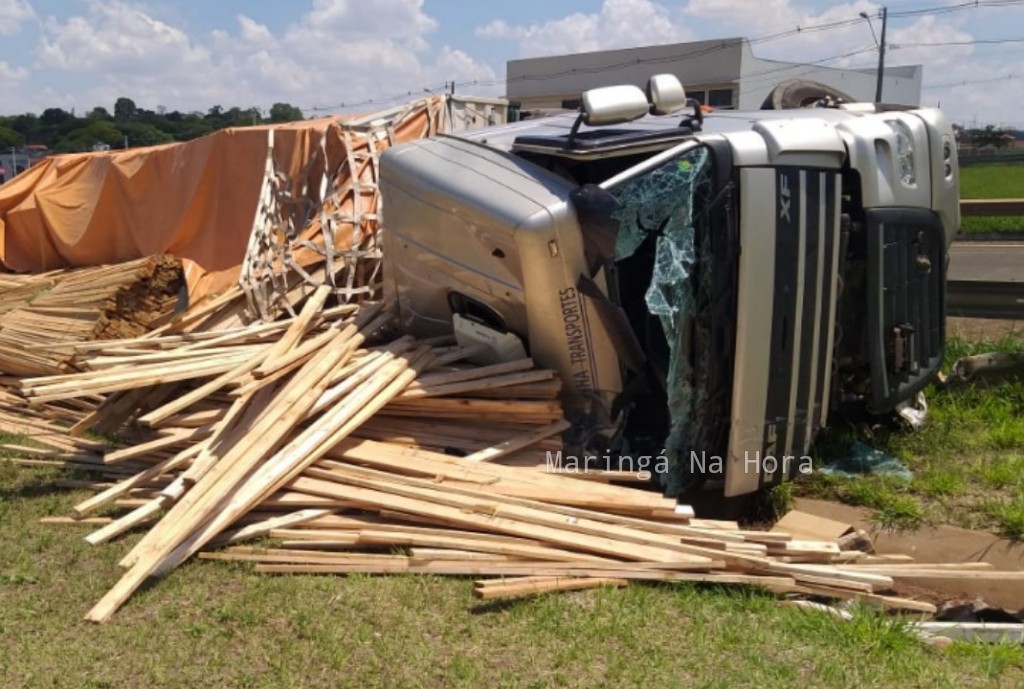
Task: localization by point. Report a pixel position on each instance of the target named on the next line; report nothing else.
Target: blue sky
(324, 54)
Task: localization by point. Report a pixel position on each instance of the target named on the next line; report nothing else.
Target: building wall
(550, 81)
(901, 85)
(708, 69)
(7, 161)
(18, 162)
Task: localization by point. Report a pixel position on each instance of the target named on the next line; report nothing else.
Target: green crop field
(992, 181)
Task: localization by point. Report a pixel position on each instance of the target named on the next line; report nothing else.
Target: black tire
(801, 93)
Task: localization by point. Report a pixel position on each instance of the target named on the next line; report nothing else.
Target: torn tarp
(861, 460)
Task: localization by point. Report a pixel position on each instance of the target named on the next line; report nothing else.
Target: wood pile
(345, 449)
(41, 315)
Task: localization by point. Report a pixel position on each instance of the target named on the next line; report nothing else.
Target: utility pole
(881, 57)
(881, 50)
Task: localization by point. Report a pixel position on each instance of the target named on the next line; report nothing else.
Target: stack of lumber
(40, 315)
(347, 449)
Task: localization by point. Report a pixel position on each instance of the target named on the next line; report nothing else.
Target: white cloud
(939, 59)
(10, 74)
(251, 31)
(402, 21)
(117, 37)
(338, 51)
(943, 65)
(14, 13)
(618, 24)
(499, 28)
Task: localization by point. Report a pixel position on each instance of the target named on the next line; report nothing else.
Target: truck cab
(711, 287)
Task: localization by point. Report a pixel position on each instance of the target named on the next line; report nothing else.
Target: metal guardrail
(967, 161)
(991, 207)
(984, 299)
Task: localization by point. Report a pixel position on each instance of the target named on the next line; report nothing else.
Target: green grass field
(215, 624)
(968, 461)
(992, 181)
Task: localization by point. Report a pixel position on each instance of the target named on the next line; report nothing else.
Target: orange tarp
(195, 200)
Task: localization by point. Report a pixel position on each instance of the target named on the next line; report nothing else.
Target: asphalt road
(998, 261)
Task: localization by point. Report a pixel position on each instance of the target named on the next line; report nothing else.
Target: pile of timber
(41, 315)
(346, 449)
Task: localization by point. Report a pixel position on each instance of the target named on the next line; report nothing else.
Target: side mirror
(665, 93)
(609, 105)
(613, 105)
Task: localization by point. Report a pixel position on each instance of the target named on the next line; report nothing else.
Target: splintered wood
(350, 450)
(40, 315)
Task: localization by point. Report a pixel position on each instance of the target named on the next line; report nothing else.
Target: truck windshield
(663, 281)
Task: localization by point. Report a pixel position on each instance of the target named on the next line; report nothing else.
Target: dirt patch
(983, 328)
(939, 544)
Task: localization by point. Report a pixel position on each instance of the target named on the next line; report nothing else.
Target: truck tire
(801, 93)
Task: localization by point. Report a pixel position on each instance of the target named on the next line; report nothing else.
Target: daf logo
(785, 198)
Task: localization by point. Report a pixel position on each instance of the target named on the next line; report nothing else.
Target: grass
(968, 461)
(992, 181)
(216, 624)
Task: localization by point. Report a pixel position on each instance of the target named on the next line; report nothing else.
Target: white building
(721, 73)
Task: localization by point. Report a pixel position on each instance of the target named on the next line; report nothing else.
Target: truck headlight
(904, 151)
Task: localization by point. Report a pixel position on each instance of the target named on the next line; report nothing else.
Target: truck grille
(803, 319)
(906, 302)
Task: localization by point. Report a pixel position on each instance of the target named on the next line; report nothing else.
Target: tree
(53, 117)
(991, 136)
(235, 117)
(10, 138)
(27, 125)
(124, 109)
(141, 134)
(285, 112)
(99, 113)
(85, 138)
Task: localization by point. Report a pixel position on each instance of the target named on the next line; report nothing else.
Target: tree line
(129, 125)
(990, 136)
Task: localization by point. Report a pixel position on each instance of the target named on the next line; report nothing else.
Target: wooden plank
(988, 632)
(518, 443)
(582, 534)
(275, 421)
(476, 568)
(811, 527)
(518, 589)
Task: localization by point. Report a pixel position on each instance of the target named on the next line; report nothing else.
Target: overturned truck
(709, 285)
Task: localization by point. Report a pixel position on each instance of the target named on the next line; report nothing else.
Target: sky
(329, 56)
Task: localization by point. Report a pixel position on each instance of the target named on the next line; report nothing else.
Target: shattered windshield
(659, 244)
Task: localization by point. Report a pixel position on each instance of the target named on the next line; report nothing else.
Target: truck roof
(551, 134)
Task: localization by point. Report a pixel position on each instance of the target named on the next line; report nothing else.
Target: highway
(1000, 261)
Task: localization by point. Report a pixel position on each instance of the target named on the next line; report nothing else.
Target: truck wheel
(802, 93)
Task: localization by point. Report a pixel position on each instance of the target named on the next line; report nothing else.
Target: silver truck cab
(709, 286)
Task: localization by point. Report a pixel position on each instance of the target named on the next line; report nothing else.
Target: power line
(752, 77)
(718, 46)
(958, 7)
(973, 41)
(387, 100)
(967, 82)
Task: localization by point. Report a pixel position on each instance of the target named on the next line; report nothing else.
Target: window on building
(571, 104)
(720, 98)
(696, 95)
